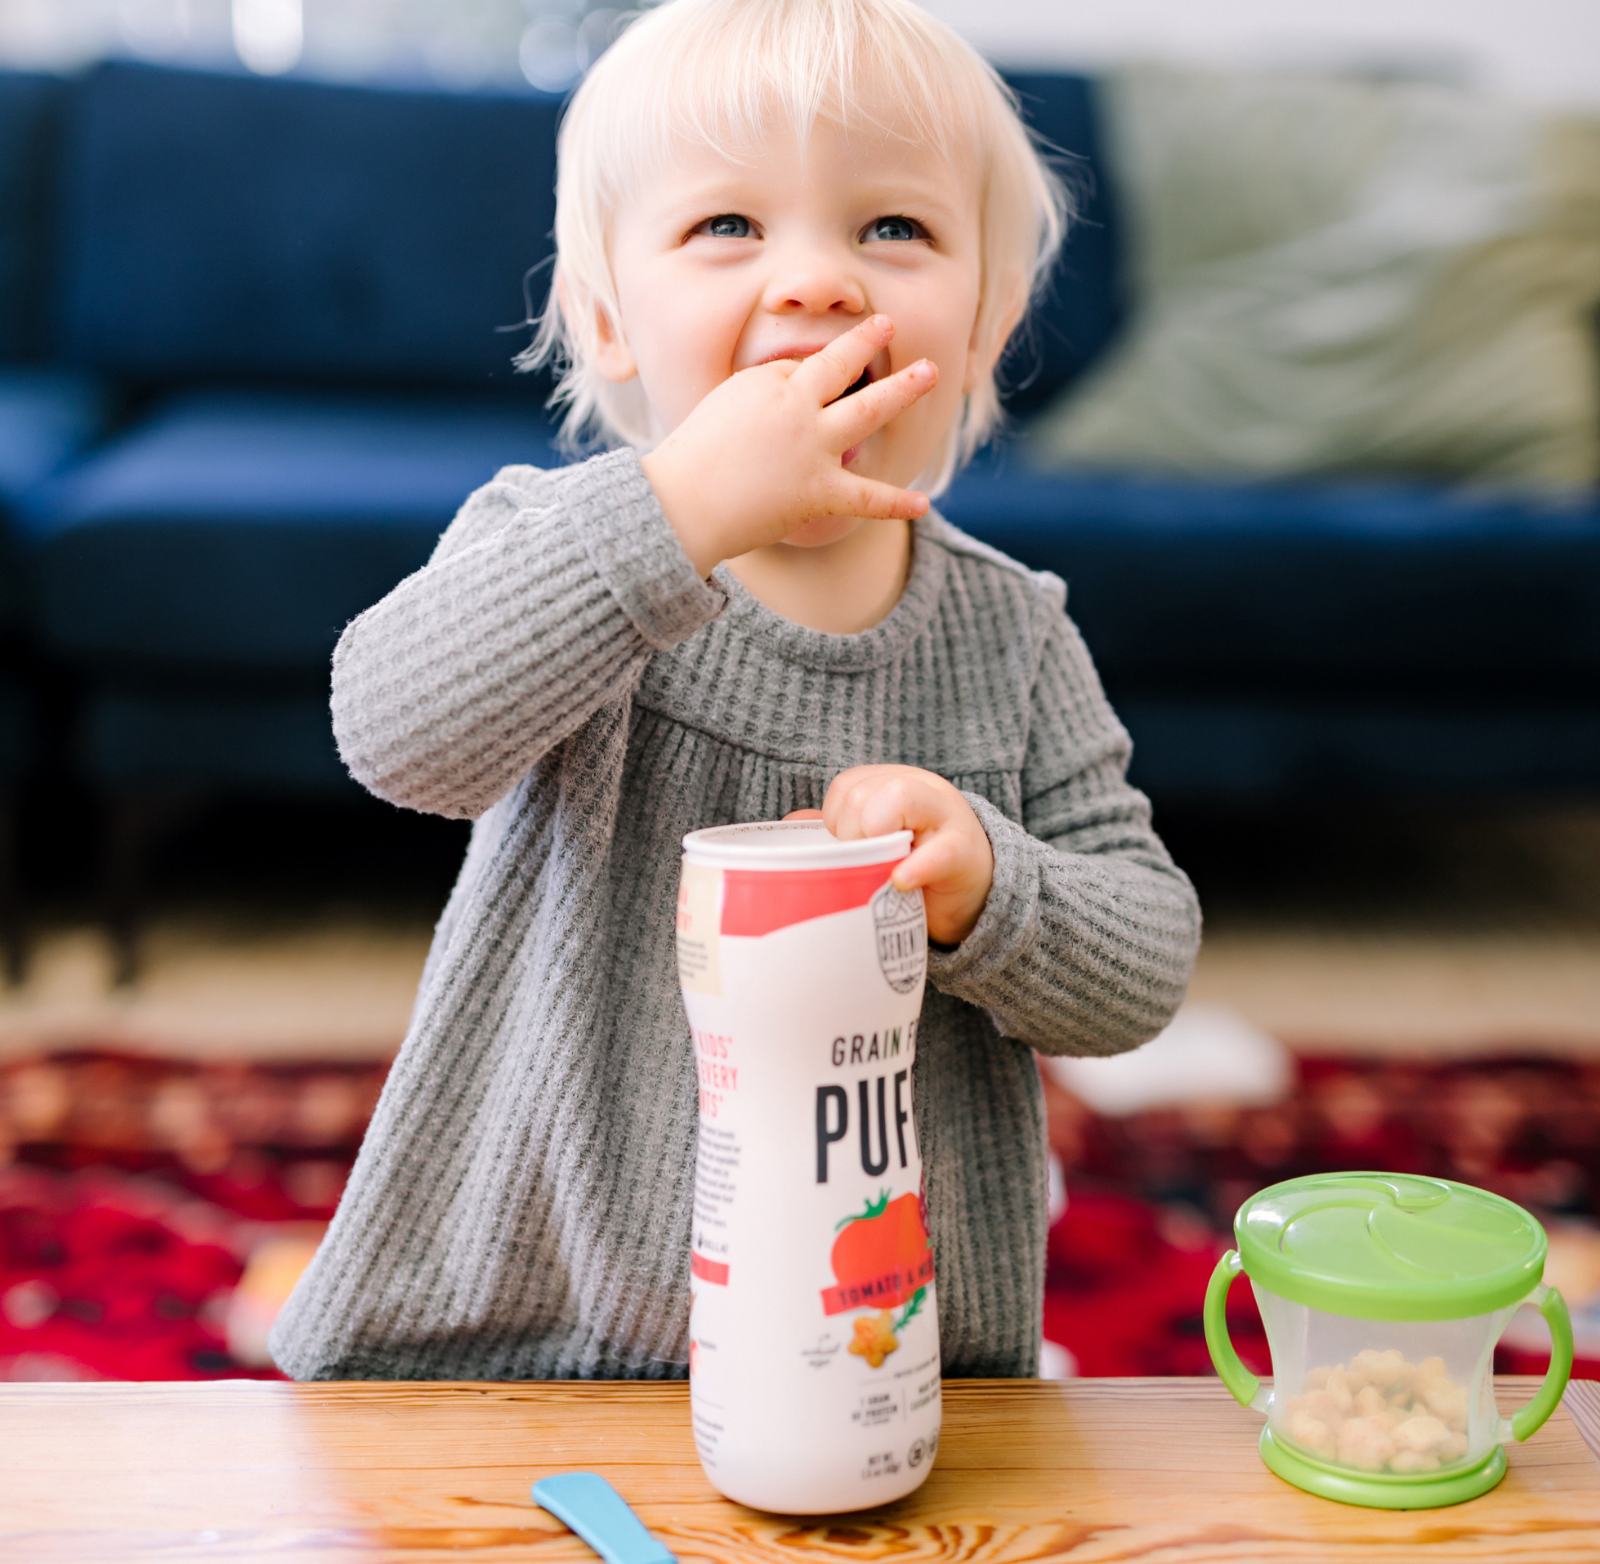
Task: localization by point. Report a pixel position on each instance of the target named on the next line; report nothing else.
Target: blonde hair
(711, 72)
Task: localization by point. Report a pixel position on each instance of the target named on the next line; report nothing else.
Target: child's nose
(814, 284)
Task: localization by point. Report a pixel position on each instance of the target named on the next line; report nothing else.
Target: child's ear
(989, 337)
(613, 357)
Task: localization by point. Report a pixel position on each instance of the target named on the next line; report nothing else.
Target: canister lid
(1390, 1246)
(790, 844)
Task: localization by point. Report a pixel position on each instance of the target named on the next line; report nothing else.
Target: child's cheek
(916, 434)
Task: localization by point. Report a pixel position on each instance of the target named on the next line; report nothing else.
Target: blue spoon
(587, 1503)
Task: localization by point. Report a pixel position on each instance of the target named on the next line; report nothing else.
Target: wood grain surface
(1582, 1402)
(1158, 1471)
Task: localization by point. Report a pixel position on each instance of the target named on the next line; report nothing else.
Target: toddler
(793, 238)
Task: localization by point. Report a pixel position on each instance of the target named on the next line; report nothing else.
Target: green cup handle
(1245, 1387)
(1532, 1417)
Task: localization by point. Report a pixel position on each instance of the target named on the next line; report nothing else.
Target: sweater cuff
(636, 553)
(1009, 921)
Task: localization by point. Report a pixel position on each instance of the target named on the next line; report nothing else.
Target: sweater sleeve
(1088, 938)
(543, 601)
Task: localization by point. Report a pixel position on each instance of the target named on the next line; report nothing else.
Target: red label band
(708, 1270)
(879, 1292)
(757, 901)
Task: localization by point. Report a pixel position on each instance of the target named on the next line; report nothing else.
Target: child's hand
(951, 859)
(762, 454)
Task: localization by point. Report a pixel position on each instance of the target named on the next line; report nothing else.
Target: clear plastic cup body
(814, 1336)
(1382, 1397)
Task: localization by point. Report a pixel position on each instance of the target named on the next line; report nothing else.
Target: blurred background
(1308, 418)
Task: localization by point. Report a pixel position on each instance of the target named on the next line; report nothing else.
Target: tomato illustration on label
(880, 1252)
(880, 1259)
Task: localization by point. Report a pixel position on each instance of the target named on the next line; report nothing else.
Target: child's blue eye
(728, 226)
(892, 228)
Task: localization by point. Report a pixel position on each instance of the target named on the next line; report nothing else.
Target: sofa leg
(135, 825)
(13, 924)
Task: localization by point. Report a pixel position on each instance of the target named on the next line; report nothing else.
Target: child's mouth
(861, 383)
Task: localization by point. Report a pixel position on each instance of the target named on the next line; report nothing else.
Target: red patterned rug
(1152, 1196)
(138, 1191)
(151, 1211)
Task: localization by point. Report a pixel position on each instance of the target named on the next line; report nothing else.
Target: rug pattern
(135, 1191)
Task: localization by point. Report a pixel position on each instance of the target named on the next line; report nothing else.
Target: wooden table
(1147, 1470)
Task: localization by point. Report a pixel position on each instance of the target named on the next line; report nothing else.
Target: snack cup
(1383, 1296)
(814, 1330)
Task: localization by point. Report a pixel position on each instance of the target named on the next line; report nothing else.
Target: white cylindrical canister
(814, 1337)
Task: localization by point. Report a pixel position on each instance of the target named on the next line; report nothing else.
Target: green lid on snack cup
(1390, 1246)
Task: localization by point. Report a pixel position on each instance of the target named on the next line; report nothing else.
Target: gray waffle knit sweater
(559, 673)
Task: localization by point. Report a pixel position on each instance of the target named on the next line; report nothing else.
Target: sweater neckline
(871, 648)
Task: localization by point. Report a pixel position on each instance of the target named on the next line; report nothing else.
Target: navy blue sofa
(295, 291)
(265, 348)
(303, 284)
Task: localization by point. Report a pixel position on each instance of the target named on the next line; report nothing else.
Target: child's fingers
(873, 801)
(841, 804)
(937, 859)
(875, 805)
(892, 801)
(804, 814)
(831, 372)
(853, 496)
(951, 859)
(850, 421)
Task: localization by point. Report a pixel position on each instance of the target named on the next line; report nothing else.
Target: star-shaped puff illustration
(875, 1337)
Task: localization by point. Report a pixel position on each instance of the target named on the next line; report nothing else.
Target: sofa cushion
(1183, 586)
(46, 417)
(1345, 278)
(236, 533)
(218, 225)
(1082, 307)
